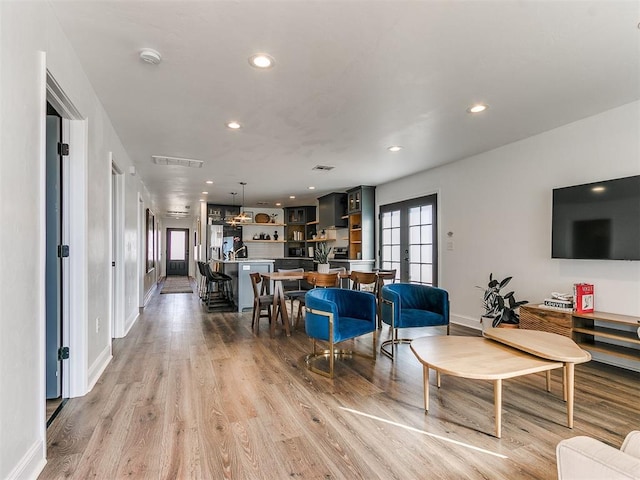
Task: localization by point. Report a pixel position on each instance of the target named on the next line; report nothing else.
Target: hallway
(191, 394)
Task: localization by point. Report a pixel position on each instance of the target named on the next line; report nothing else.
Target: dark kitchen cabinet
(361, 208)
(332, 211)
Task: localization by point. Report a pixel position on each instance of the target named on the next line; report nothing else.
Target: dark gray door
(53, 261)
(408, 240)
(178, 251)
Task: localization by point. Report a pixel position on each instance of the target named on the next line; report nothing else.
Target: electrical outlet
(97, 324)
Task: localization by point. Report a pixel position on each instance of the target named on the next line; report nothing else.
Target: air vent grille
(181, 162)
(324, 168)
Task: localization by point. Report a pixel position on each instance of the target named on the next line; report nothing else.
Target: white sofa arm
(631, 445)
(585, 458)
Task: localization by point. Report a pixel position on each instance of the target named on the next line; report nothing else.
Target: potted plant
(322, 256)
(501, 309)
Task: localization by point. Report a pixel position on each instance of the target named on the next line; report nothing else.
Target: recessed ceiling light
(261, 60)
(312, 188)
(394, 148)
(205, 193)
(598, 189)
(234, 125)
(292, 197)
(278, 204)
(209, 182)
(149, 55)
(480, 107)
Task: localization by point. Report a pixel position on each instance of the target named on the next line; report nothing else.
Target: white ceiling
(351, 78)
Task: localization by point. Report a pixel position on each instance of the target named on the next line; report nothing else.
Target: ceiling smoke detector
(181, 162)
(324, 168)
(151, 56)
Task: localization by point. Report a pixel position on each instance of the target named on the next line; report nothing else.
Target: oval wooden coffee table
(484, 359)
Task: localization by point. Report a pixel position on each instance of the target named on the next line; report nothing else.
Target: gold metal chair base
(393, 342)
(337, 353)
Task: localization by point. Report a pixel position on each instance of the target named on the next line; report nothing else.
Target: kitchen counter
(246, 260)
(239, 271)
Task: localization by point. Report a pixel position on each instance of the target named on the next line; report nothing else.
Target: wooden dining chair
(322, 280)
(388, 276)
(261, 302)
(366, 281)
(342, 275)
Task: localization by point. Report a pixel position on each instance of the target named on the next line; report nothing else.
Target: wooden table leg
(548, 380)
(497, 405)
(569, 389)
(425, 379)
(279, 301)
(564, 382)
(438, 384)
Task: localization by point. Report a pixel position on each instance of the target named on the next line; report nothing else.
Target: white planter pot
(323, 268)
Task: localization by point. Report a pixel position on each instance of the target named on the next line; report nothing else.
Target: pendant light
(243, 216)
(232, 221)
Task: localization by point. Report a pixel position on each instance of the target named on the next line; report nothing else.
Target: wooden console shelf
(582, 328)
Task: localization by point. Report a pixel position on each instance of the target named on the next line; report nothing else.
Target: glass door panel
(408, 233)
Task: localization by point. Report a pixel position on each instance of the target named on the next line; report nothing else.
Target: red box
(583, 297)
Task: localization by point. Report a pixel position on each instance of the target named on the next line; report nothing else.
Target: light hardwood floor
(191, 394)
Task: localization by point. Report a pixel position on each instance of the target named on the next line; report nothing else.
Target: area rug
(174, 284)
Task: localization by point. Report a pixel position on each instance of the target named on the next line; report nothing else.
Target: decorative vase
(323, 268)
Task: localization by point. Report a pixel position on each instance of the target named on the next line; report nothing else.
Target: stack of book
(559, 304)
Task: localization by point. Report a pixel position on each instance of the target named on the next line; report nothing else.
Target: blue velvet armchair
(334, 315)
(406, 305)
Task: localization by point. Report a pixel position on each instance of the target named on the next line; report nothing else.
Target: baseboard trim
(465, 321)
(131, 321)
(31, 464)
(95, 371)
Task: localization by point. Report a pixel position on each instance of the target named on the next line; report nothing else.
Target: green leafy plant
(322, 252)
(501, 308)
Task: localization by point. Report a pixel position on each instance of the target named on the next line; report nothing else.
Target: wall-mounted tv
(598, 220)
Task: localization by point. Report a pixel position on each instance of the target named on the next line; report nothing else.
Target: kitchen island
(239, 271)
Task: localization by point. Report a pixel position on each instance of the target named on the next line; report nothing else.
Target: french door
(408, 240)
(177, 251)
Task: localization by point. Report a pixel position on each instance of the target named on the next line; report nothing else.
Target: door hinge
(63, 251)
(63, 149)
(63, 353)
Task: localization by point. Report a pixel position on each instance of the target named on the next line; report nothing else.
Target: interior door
(53, 258)
(178, 251)
(408, 240)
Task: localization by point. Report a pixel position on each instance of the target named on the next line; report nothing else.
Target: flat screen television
(599, 221)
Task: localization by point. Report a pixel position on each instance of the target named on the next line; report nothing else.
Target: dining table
(279, 297)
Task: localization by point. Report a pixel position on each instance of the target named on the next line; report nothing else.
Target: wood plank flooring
(195, 395)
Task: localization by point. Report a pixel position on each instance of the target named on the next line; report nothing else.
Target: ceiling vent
(181, 162)
(262, 204)
(324, 168)
(151, 56)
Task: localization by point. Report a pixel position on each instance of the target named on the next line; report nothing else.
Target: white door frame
(116, 280)
(75, 175)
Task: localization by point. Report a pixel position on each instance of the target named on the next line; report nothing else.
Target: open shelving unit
(606, 333)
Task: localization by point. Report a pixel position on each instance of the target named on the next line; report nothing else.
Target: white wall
(498, 206)
(29, 37)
